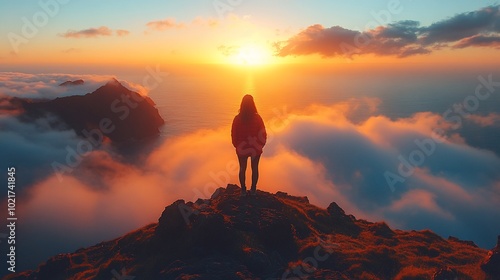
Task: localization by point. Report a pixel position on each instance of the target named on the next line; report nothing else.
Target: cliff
(268, 236)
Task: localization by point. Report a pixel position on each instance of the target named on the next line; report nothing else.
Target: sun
(251, 55)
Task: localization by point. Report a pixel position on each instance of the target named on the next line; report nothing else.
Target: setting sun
(251, 55)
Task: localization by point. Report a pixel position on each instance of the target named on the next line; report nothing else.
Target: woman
(249, 137)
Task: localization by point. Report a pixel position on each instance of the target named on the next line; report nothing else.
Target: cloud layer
(327, 153)
(33, 146)
(402, 39)
(46, 86)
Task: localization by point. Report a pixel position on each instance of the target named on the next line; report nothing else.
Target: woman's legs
(255, 171)
(243, 169)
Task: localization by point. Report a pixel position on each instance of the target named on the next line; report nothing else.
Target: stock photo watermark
(31, 26)
(11, 219)
(95, 137)
(427, 147)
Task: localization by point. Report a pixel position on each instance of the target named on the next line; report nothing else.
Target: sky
(456, 191)
(128, 33)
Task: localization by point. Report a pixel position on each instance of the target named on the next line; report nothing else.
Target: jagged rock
(468, 242)
(302, 199)
(382, 229)
(72, 83)
(491, 264)
(343, 223)
(256, 260)
(211, 232)
(335, 210)
(174, 220)
(445, 273)
(55, 267)
(268, 236)
(277, 233)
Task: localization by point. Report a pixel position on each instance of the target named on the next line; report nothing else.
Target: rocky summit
(268, 236)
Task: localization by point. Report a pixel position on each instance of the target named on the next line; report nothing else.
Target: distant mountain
(117, 112)
(72, 83)
(268, 236)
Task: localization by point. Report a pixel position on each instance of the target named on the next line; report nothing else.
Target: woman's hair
(247, 107)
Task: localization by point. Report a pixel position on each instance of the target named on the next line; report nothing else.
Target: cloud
(461, 26)
(88, 33)
(160, 25)
(491, 119)
(210, 22)
(71, 50)
(402, 39)
(122, 32)
(479, 41)
(228, 50)
(46, 86)
(94, 32)
(34, 146)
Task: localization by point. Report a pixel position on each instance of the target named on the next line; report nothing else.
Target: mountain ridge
(268, 236)
(119, 114)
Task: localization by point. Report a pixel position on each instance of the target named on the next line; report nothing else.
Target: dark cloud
(462, 26)
(479, 41)
(317, 39)
(401, 39)
(93, 32)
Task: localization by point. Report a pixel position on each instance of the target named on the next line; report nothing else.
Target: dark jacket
(248, 135)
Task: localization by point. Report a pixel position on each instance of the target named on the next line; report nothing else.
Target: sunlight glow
(251, 55)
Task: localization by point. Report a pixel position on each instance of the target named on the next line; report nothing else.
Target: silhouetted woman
(249, 137)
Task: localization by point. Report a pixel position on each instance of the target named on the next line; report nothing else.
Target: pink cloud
(88, 33)
(122, 32)
(160, 25)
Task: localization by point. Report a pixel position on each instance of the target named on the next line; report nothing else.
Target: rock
(72, 83)
(211, 233)
(467, 242)
(302, 199)
(55, 267)
(256, 260)
(335, 210)
(491, 264)
(174, 220)
(381, 229)
(342, 223)
(277, 232)
(445, 273)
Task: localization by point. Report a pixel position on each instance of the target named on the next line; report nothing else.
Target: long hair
(247, 107)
